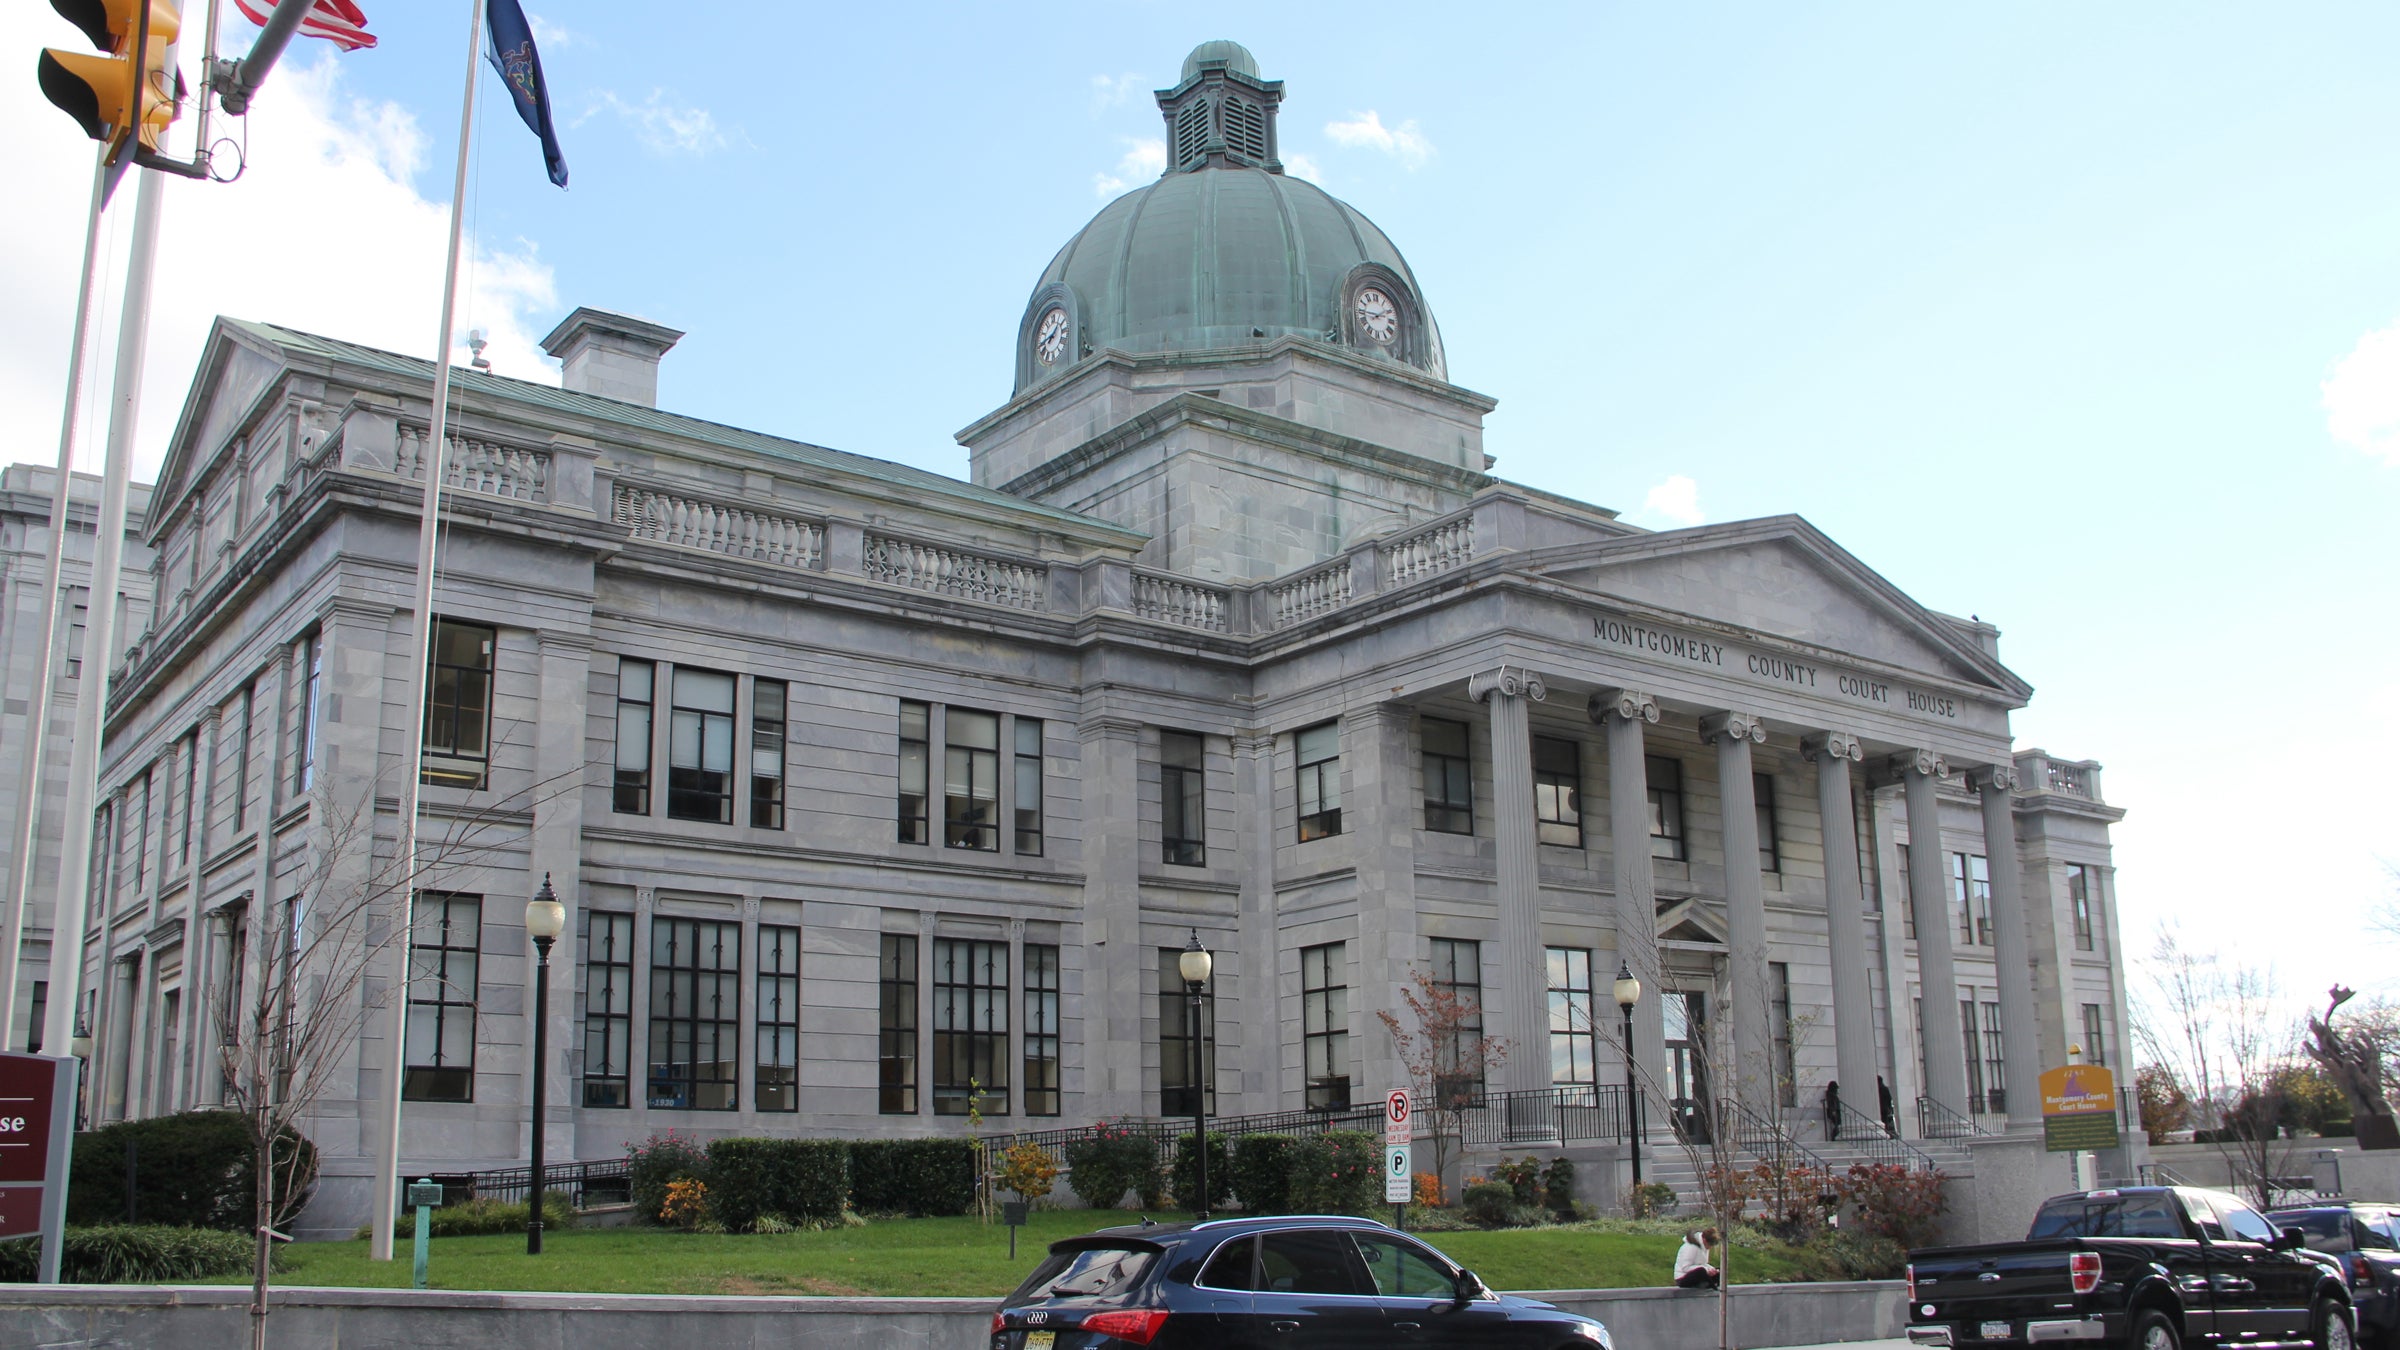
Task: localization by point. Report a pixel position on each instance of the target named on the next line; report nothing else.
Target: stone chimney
(611, 355)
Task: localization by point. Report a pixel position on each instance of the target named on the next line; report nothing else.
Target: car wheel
(2329, 1326)
(2154, 1330)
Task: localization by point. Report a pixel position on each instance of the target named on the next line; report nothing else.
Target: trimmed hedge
(1262, 1172)
(484, 1215)
(191, 1170)
(1337, 1172)
(1110, 1160)
(1220, 1172)
(137, 1254)
(924, 1178)
(796, 1179)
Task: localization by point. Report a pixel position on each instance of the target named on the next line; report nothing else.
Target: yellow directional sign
(2079, 1108)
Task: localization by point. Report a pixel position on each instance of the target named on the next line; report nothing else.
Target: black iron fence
(1936, 1121)
(1552, 1115)
(606, 1181)
(1863, 1135)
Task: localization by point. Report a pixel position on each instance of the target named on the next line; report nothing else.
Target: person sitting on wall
(1692, 1270)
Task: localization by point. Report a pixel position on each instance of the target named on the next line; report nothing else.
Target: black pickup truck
(2151, 1267)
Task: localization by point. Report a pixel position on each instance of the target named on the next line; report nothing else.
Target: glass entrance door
(1688, 1099)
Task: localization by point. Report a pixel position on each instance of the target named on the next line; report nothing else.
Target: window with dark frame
(1458, 1057)
(1176, 1096)
(896, 1026)
(1325, 1027)
(608, 1010)
(1449, 776)
(1971, 1033)
(458, 706)
(1779, 1007)
(776, 1086)
(1574, 1041)
(40, 1010)
(2095, 1034)
(700, 746)
(1995, 1061)
(1971, 894)
(970, 1026)
(1317, 751)
(187, 797)
(916, 731)
(1042, 1094)
(444, 953)
(636, 703)
(241, 760)
(768, 708)
(138, 838)
(971, 780)
(72, 666)
(2080, 885)
(1182, 799)
(1665, 775)
(1770, 844)
(1901, 883)
(1027, 803)
(229, 988)
(304, 750)
(695, 1014)
(1558, 791)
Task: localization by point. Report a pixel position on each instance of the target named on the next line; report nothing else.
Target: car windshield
(2150, 1215)
(1086, 1272)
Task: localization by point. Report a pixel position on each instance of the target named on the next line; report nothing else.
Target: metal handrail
(1936, 1121)
(609, 1177)
(1862, 1134)
(2159, 1174)
(1751, 1130)
(1563, 1114)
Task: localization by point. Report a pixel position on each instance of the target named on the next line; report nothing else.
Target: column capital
(1926, 762)
(1836, 745)
(1733, 726)
(2000, 778)
(1632, 705)
(1513, 681)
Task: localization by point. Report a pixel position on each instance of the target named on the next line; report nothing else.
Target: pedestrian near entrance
(1833, 1109)
(1692, 1270)
(1883, 1101)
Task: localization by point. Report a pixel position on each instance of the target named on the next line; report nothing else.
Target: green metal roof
(1222, 51)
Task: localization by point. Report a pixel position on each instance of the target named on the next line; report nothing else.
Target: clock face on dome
(1378, 318)
(1050, 337)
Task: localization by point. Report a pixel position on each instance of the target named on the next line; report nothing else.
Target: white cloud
(1145, 158)
(1301, 166)
(1367, 131)
(367, 270)
(1674, 503)
(1109, 91)
(662, 127)
(2362, 396)
(549, 35)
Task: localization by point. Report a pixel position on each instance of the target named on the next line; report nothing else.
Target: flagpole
(37, 704)
(387, 1180)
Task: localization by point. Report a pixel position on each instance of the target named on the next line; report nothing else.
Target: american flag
(337, 21)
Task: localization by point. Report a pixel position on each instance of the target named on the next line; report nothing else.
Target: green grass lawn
(922, 1257)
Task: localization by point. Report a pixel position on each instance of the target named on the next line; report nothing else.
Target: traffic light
(136, 82)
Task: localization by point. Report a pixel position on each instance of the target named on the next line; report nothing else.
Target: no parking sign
(1396, 1129)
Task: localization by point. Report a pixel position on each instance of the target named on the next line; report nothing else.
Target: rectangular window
(778, 1014)
(1558, 791)
(1042, 1095)
(73, 664)
(1969, 1031)
(183, 792)
(1770, 844)
(1318, 751)
(231, 1013)
(635, 703)
(1995, 1061)
(41, 1009)
(1779, 1008)
(768, 700)
(304, 753)
(1182, 800)
(1449, 781)
(1325, 1027)
(1971, 895)
(444, 953)
(1458, 1057)
(138, 838)
(970, 1026)
(695, 1012)
(1666, 806)
(608, 1010)
(241, 760)
(1028, 803)
(971, 780)
(700, 747)
(916, 721)
(1900, 887)
(1574, 1046)
(2095, 1035)
(458, 705)
(897, 1025)
(1177, 1037)
(2081, 883)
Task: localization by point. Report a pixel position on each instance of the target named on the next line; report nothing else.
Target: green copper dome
(1224, 251)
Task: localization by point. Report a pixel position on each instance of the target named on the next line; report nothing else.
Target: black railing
(1542, 1115)
(1860, 1134)
(1755, 1136)
(1936, 1121)
(607, 1181)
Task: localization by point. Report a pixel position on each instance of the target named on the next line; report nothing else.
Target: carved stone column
(1734, 733)
(1263, 1082)
(1382, 806)
(1929, 897)
(1845, 921)
(1624, 714)
(1114, 1084)
(2011, 948)
(1524, 989)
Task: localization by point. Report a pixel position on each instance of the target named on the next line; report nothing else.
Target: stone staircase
(1670, 1163)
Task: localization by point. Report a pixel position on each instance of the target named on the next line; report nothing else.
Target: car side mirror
(2290, 1240)
(1466, 1289)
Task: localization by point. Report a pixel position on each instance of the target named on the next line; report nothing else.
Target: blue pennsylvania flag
(520, 68)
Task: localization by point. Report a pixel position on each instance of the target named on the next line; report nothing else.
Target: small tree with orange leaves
(1447, 1056)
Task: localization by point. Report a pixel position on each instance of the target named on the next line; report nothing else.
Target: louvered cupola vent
(1220, 113)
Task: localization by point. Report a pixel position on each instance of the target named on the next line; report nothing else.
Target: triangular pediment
(1684, 920)
(1784, 578)
(235, 368)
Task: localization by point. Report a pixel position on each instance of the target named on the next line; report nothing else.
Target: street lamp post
(1629, 992)
(545, 918)
(1195, 965)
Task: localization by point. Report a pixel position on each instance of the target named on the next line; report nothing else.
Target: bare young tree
(2220, 1031)
(1447, 1055)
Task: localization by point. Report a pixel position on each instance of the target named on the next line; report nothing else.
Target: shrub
(1337, 1172)
(801, 1179)
(1109, 1160)
(482, 1215)
(1220, 1172)
(1522, 1176)
(133, 1254)
(1425, 1190)
(1494, 1204)
(687, 1203)
(190, 1170)
(1262, 1172)
(1893, 1202)
(658, 1162)
(1852, 1254)
(1650, 1200)
(1028, 1169)
(1558, 1189)
(929, 1178)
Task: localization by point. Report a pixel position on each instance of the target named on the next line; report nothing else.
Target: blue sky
(2083, 320)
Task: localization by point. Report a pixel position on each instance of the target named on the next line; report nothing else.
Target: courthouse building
(869, 790)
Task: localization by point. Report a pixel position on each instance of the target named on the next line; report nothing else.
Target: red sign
(26, 1083)
(20, 1211)
(1395, 1118)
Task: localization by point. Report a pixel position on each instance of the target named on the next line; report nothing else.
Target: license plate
(1995, 1331)
(1040, 1340)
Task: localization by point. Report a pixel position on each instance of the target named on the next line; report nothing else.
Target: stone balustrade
(688, 522)
(477, 466)
(941, 570)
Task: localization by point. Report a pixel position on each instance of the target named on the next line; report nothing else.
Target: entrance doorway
(1688, 1099)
